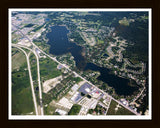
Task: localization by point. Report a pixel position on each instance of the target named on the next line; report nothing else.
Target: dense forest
(137, 33)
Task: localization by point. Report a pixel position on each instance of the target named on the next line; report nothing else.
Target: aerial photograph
(79, 64)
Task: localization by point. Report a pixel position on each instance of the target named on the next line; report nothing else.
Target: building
(61, 112)
(59, 66)
(76, 97)
(75, 87)
(85, 88)
(38, 52)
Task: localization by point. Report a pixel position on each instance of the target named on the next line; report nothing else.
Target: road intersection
(30, 76)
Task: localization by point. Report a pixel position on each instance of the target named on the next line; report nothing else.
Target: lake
(60, 44)
(58, 40)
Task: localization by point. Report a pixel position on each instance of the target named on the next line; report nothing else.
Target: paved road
(31, 81)
(39, 84)
(139, 94)
(108, 106)
(54, 58)
(38, 74)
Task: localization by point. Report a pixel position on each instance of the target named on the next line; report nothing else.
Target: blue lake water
(60, 44)
(119, 84)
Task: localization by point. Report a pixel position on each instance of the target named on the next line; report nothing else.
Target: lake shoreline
(62, 45)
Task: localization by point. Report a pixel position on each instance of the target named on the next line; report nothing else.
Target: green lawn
(49, 110)
(76, 79)
(74, 110)
(121, 110)
(48, 69)
(22, 102)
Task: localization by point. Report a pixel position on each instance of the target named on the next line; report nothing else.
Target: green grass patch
(22, 102)
(121, 110)
(74, 110)
(49, 110)
(42, 45)
(99, 41)
(33, 64)
(76, 79)
(48, 69)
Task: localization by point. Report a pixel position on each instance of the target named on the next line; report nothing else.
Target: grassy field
(74, 110)
(121, 110)
(33, 64)
(49, 110)
(18, 58)
(22, 102)
(48, 69)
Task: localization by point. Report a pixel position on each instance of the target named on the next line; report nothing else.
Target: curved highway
(30, 76)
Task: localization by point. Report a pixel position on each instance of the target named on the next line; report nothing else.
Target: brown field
(18, 59)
